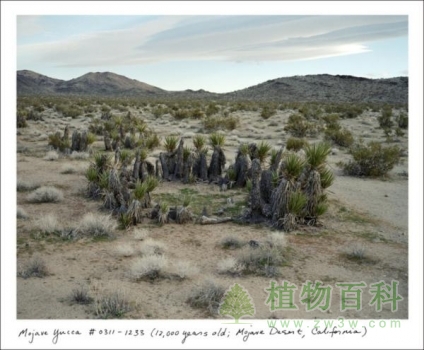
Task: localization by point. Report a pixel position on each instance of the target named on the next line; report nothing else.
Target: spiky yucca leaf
(293, 166)
(91, 138)
(126, 156)
(217, 139)
(321, 208)
(263, 150)
(327, 177)
(244, 149)
(186, 153)
(92, 174)
(170, 143)
(199, 142)
(297, 202)
(104, 180)
(316, 154)
(151, 183)
(140, 190)
(101, 160)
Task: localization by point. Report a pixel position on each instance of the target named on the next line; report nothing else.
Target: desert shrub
(159, 111)
(385, 119)
(342, 137)
(217, 139)
(211, 109)
(81, 296)
(97, 226)
(51, 155)
(371, 159)
(58, 143)
(207, 296)
(171, 143)
(298, 126)
(23, 186)
(402, 121)
(182, 114)
(113, 305)
(21, 213)
(36, 267)
(21, 121)
(231, 242)
(295, 144)
(221, 122)
(149, 267)
(45, 194)
(267, 112)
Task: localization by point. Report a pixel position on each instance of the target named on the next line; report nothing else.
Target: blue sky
(215, 53)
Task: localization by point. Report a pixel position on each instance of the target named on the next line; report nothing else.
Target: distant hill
(331, 88)
(320, 88)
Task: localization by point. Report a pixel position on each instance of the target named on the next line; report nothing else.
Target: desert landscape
(141, 203)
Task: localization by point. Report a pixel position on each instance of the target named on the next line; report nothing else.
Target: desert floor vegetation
(180, 200)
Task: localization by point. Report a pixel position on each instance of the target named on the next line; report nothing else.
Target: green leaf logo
(237, 303)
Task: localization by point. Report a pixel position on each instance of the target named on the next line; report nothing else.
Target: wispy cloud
(223, 38)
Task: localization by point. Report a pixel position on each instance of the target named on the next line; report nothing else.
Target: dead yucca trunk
(203, 174)
(83, 142)
(135, 211)
(106, 139)
(66, 134)
(150, 168)
(255, 193)
(217, 164)
(313, 191)
(109, 201)
(121, 132)
(116, 144)
(188, 169)
(117, 155)
(183, 215)
(287, 223)
(280, 201)
(275, 162)
(158, 171)
(143, 172)
(136, 168)
(164, 165)
(76, 140)
(241, 168)
(179, 163)
(266, 186)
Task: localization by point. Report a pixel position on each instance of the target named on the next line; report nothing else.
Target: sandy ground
(370, 212)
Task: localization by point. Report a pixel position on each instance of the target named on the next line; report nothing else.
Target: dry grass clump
(48, 224)
(45, 194)
(141, 234)
(113, 305)
(183, 270)
(124, 250)
(81, 296)
(152, 247)
(23, 186)
(21, 213)
(97, 226)
(231, 242)
(207, 296)
(36, 267)
(262, 261)
(149, 267)
(51, 155)
(79, 155)
(69, 169)
(230, 266)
